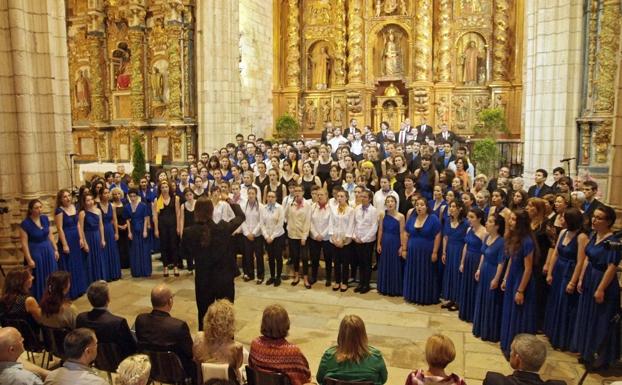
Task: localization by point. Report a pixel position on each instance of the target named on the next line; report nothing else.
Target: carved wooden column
(174, 32)
(443, 66)
(97, 55)
(137, 43)
(293, 45)
(355, 41)
(421, 88)
(500, 33)
(340, 42)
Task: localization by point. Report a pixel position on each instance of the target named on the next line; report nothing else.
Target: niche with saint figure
(472, 60)
(121, 67)
(391, 53)
(320, 66)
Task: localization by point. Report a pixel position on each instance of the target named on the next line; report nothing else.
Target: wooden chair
(53, 339)
(262, 377)
(334, 381)
(108, 358)
(166, 367)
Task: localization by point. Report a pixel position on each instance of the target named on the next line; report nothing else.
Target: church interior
(82, 80)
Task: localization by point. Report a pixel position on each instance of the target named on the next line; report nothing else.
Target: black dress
(167, 226)
(123, 243)
(307, 185)
(262, 184)
(330, 183)
(214, 277)
(188, 221)
(278, 192)
(323, 170)
(544, 243)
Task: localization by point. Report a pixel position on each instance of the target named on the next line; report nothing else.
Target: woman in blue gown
(437, 205)
(92, 228)
(421, 273)
(70, 243)
(489, 297)
(563, 275)
(600, 294)
(519, 299)
(426, 177)
(38, 246)
(471, 256)
(137, 215)
(112, 266)
(454, 231)
(390, 250)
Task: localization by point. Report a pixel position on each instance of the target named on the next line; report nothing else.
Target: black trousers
(362, 254)
(253, 251)
(315, 247)
(296, 253)
(206, 294)
(275, 256)
(236, 246)
(168, 243)
(341, 258)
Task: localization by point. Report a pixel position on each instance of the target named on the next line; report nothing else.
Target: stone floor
(398, 329)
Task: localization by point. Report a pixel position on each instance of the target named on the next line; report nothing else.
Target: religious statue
(157, 86)
(338, 113)
(326, 111)
(319, 69)
(390, 7)
(442, 110)
(391, 90)
(391, 55)
(82, 92)
(461, 110)
(471, 62)
(500, 102)
(311, 113)
(291, 107)
(123, 72)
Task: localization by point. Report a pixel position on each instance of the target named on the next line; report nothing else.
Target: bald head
(161, 296)
(11, 344)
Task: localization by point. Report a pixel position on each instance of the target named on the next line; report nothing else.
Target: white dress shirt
(251, 224)
(244, 191)
(298, 220)
(356, 147)
(341, 225)
(336, 142)
(271, 221)
(365, 223)
(222, 212)
(320, 218)
(380, 198)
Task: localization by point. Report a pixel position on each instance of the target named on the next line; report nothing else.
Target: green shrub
(287, 128)
(138, 160)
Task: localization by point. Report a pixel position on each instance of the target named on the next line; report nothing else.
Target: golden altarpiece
(387, 60)
(130, 75)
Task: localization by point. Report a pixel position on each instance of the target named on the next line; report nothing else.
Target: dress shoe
(365, 289)
(296, 282)
(270, 281)
(358, 289)
(335, 288)
(308, 285)
(277, 282)
(246, 278)
(259, 281)
(344, 289)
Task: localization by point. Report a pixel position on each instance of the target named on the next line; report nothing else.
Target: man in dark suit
(108, 327)
(504, 172)
(540, 189)
(442, 162)
(448, 136)
(158, 330)
(328, 127)
(383, 134)
(402, 134)
(589, 188)
(424, 132)
(413, 155)
(527, 356)
(352, 129)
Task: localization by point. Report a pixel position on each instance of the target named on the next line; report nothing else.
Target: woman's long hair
(14, 286)
(352, 340)
(59, 197)
(522, 229)
(203, 213)
(54, 294)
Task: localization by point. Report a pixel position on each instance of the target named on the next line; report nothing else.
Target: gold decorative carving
(585, 143)
(355, 102)
(501, 40)
(120, 137)
(174, 70)
(479, 103)
(293, 46)
(591, 59)
(444, 41)
(391, 90)
(392, 54)
(97, 64)
(175, 138)
(291, 107)
(340, 42)
(460, 111)
(311, 114)
(338, 113)
(602, 139)
(355, 42)
(390, 7)
(442, 110)
(319, 13)
(606, 58)
(500, 102)
(421, 101)
(136, 37)
(423, 39)
(325, 110)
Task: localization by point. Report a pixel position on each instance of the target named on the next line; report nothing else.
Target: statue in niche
(326, 111)
(122, 72)
(82, 92)
(158, 85)
(291, 107)
(389, 7)
(500, 102)
(319, 68)
(472, 61)
(391, 55)
(462, 113)
(442, 110)
(338, 113)
(311, 112)
(471, 6)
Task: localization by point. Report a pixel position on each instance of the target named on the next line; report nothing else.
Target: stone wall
(256, 65)
(35, 135)
(552, 82)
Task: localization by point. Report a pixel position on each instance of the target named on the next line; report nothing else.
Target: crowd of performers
(407, 204)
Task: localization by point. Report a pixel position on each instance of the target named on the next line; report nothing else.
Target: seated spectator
(56, 310)
(134, 370)
(272, 352)
(80, 352)
(527, 355)
(439, 352)
(11, 371)
(352, 359)
(108, 327)
(16, 301)
(216, 344)
(158, 330)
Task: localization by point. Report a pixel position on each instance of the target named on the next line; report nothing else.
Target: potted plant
(138, 160)
(485, 153)
(287, 128)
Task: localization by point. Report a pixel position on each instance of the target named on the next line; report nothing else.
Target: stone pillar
(173, 49)
(552, 82)
(293, 45)
(355, 41)
(218, 75)
(137, 44)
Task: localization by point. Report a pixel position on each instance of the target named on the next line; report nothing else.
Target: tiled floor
(398, 329)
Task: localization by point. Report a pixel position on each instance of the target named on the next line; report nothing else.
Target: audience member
(56, 310)
(16, 301)
(108, 327)
(539, 189)
(439, 352)
(80, 352)
(11, 371)
(134, 370)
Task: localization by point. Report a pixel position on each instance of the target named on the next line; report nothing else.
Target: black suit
(381, 137)
(404, 140)
(424, 135)
(158, 330)
(350, 130)
(414, 162)
(588, 213)
(451, 138)
(519, 377)
(546, 189)
(440, 162)
(109, 328)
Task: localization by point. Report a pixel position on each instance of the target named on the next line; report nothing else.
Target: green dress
(372, 368)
